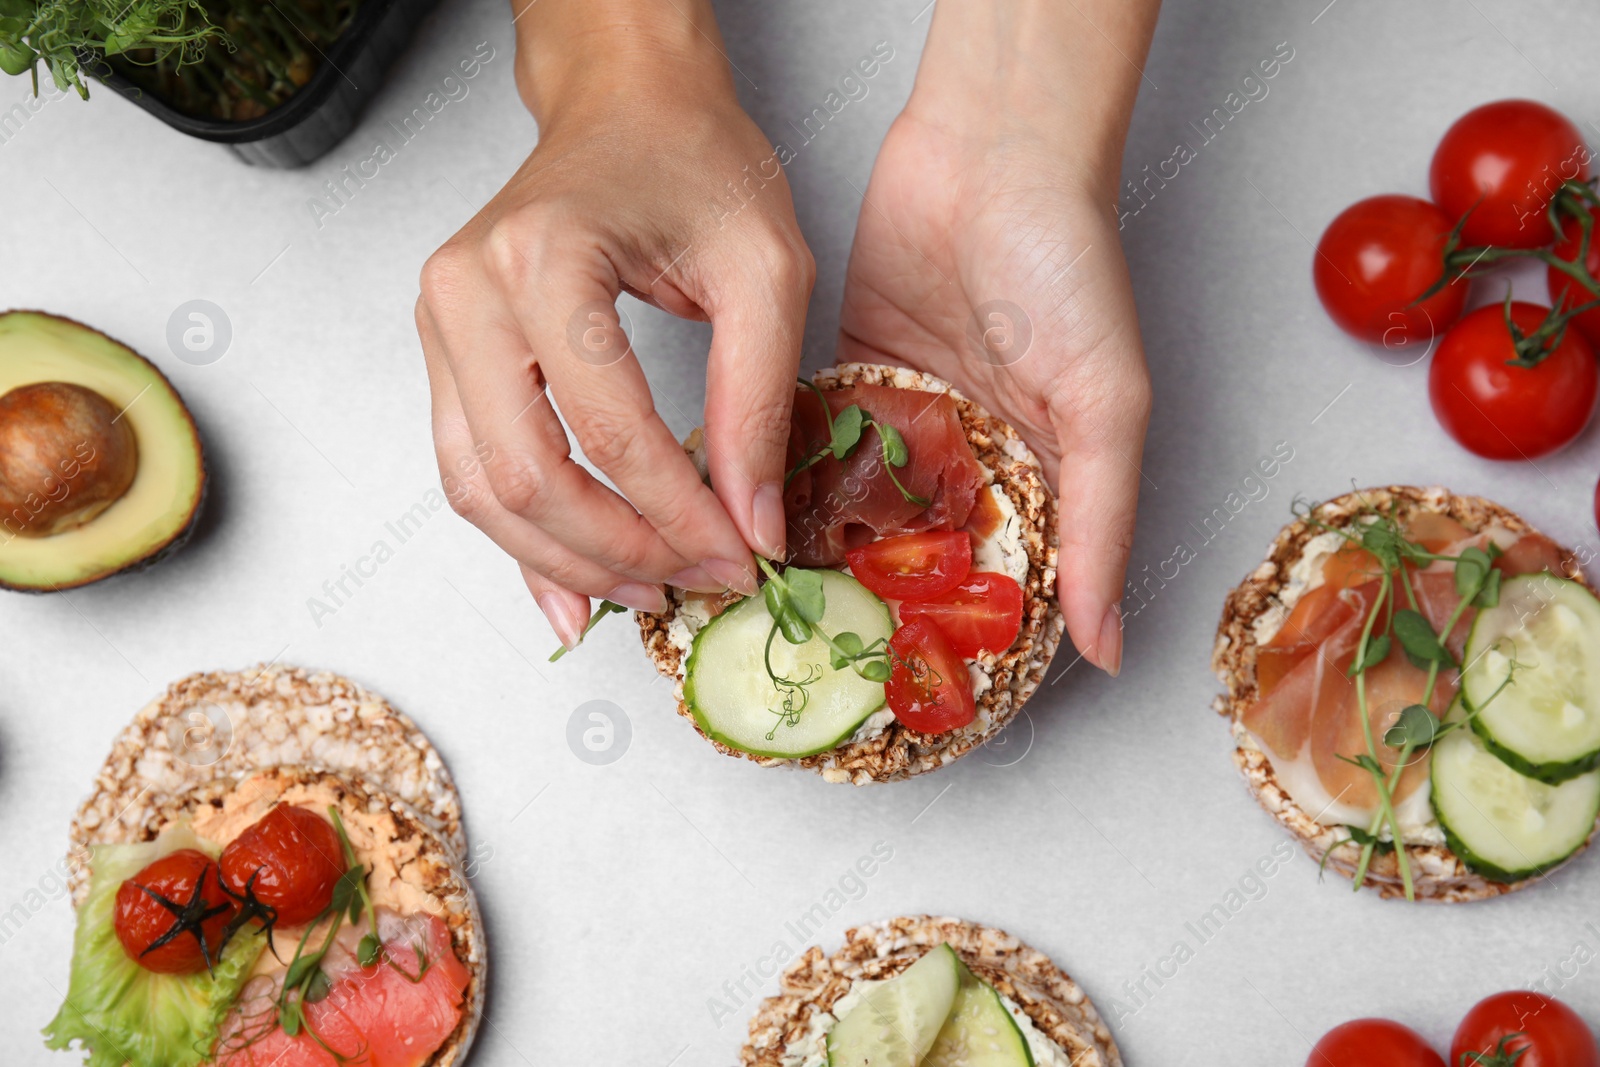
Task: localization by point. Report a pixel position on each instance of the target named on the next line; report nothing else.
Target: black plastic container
(323, 111)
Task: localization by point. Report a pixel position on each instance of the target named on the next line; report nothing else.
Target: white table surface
(622, 898)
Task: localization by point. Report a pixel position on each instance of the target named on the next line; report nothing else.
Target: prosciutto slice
(1306, 714)
(835, 505)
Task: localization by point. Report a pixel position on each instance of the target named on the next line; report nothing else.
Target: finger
(566, 611)
(461, 467)
(1102, 443)
(531, 470)
(757, 324)
(607, 403)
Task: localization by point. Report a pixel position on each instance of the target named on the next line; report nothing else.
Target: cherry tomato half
(1553, 1035)
(171, 916)
(1372, 1043)
(1503, 162)
(913, 566)
(983, 612)
(1375, 259)
(1563, 285)
(1503, 412)
(928, 689)
(288, 860)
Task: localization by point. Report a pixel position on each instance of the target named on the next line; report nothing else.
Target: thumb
(1102, 441)
(757, 328)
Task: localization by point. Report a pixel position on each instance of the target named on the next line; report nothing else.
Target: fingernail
(638, 596)
(1111, 641)
(562, 617)
(741, 579)
(768, 520)
(697, 579)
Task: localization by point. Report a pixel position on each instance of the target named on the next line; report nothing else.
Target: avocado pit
(66, 455)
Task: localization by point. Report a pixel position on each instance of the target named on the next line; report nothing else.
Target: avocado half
(158, 511)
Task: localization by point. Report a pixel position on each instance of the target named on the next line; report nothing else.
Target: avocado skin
(181, 537)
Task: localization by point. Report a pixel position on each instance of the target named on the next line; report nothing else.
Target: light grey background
(620, 898)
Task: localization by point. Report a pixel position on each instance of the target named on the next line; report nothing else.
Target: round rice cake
(1055, 1004)
(430, 863)
(1438, 873)
(900, 752)
(231, 724)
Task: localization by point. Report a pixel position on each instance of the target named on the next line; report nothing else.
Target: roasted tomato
(1563, 287)
(913, 566)
(1501, 411)
(1503, 162)
(1526, 1029)
(172, 915)
(1372, 1043)
(928, 689)
(983, 613)
(1372, 263)
(288, 860)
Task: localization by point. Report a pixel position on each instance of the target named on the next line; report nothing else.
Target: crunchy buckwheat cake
(1263, 600)
(414, 862)
(230, 724)
(810, 987)
(898, 752)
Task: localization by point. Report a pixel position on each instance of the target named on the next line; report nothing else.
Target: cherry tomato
(288, 860)
(1503, 412)
(1372, 1043)
(983, 612)
(172, 915)
(928, 689)
(913, 566)
(1553, 1035)
(1562, 285)
(1504, 162)
(1375, 259)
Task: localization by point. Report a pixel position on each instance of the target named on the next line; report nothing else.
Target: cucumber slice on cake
(896, 1023)
(980, 1032)
(1545, 634)
(727, 687)
(1505, 825)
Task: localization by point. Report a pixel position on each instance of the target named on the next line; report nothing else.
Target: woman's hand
(987, 254)
(630, 188)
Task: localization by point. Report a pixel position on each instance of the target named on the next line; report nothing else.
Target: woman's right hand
(648, 177)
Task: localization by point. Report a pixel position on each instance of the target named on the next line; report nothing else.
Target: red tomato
(1552, 1034)
(1562, 285)
(1504, 162)
(983, 612)
(171, 916)
(928, 689)
(913, 566)
(1505, 412)
(1378, 256)
(1372, 1043)
(289, 860)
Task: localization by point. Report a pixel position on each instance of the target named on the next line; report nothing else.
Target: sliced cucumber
(727, 687)
(1546, 721)
(980, 1031)
(896, 1023)
(1502, 824)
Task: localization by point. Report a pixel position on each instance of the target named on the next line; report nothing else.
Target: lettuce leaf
(121, 1013)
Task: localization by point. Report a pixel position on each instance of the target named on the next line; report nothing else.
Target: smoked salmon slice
(395, 1013)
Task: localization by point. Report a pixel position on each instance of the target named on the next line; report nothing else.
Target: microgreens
(606, 608)
(796, 603)
(1416, 728)
(844, 433)
(1573, 202)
